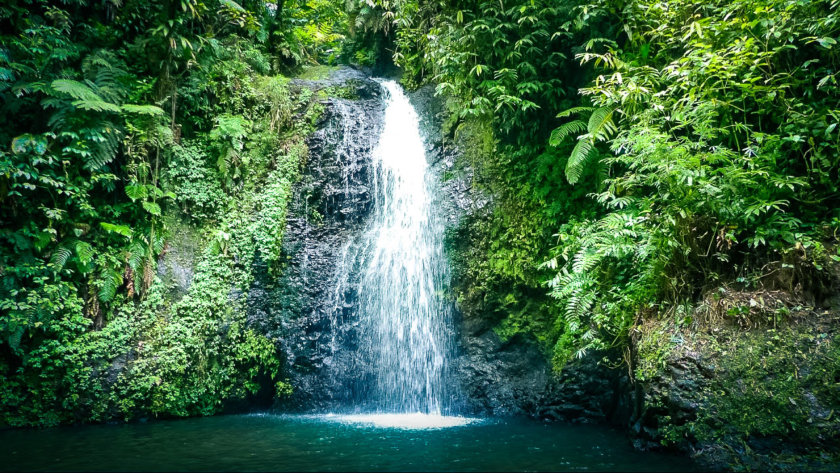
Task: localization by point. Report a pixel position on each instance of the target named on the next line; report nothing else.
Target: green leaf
(85, 252)
(14, 339)
(136, 255)
(600, 124)
(96, 106)
(136, 191)
(143, 109)
(574, 110)
(109, 282)
(152, 208)
(121, 229)
(76, 89)
(578, 160)
(59, 257)
(29, 143)
(827, 42)
(561, 133)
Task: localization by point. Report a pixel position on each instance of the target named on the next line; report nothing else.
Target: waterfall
(400, 275)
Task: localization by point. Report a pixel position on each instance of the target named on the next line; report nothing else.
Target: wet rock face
(510, 377)
(331, 203)
(176, 266)
(312, 317)
(514, 377)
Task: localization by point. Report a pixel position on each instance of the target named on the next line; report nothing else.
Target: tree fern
(567, 129)
(96, 106)
(581, 154)
(76, 89)
(601, 125)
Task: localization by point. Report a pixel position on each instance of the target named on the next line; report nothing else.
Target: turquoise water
(263, 442)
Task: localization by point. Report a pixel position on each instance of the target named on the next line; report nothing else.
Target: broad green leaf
(152, 208)
(143, 109)
(136, 191)
(121, 229)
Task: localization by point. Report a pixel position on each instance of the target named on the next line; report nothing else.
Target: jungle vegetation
(638, 153)
(123, 123)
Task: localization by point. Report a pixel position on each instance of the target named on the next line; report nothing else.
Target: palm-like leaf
(567, 129)
(580, 157)
(601, 125)
(574, 110)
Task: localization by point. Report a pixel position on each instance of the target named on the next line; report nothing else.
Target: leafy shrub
(196, 184)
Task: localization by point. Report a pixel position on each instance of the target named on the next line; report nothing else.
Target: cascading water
(405, 271)
(400, 272)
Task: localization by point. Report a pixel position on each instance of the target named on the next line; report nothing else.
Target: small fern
(60, 257)
(109, 280)
(599, 127)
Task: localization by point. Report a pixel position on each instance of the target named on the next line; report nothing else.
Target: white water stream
(405, 319)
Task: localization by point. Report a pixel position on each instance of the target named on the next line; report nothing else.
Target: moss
(343, 91)
(655, 346)
(316, 72)
(769, 385)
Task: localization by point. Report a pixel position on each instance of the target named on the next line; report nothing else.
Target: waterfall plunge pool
(331, 442)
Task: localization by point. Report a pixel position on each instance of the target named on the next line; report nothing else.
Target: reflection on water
(266, 442)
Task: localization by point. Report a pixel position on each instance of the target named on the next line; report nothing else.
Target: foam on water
(406, 421)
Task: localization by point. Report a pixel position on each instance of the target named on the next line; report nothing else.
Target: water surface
(263, 442)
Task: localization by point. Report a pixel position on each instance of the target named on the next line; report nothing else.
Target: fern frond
(76, 89)
(84, 251)
(60, 257)
(614, 221)
(143, 109)
(136, 254)
(578, 159)
(574, 110)
(601, 125)
(585, 260)
(158, 244)
(584, 303)
(96, 106)
(567, 129)
(109, 282)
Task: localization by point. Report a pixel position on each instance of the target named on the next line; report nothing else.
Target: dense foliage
(638, 153)
(122, 121)
(639, 157)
